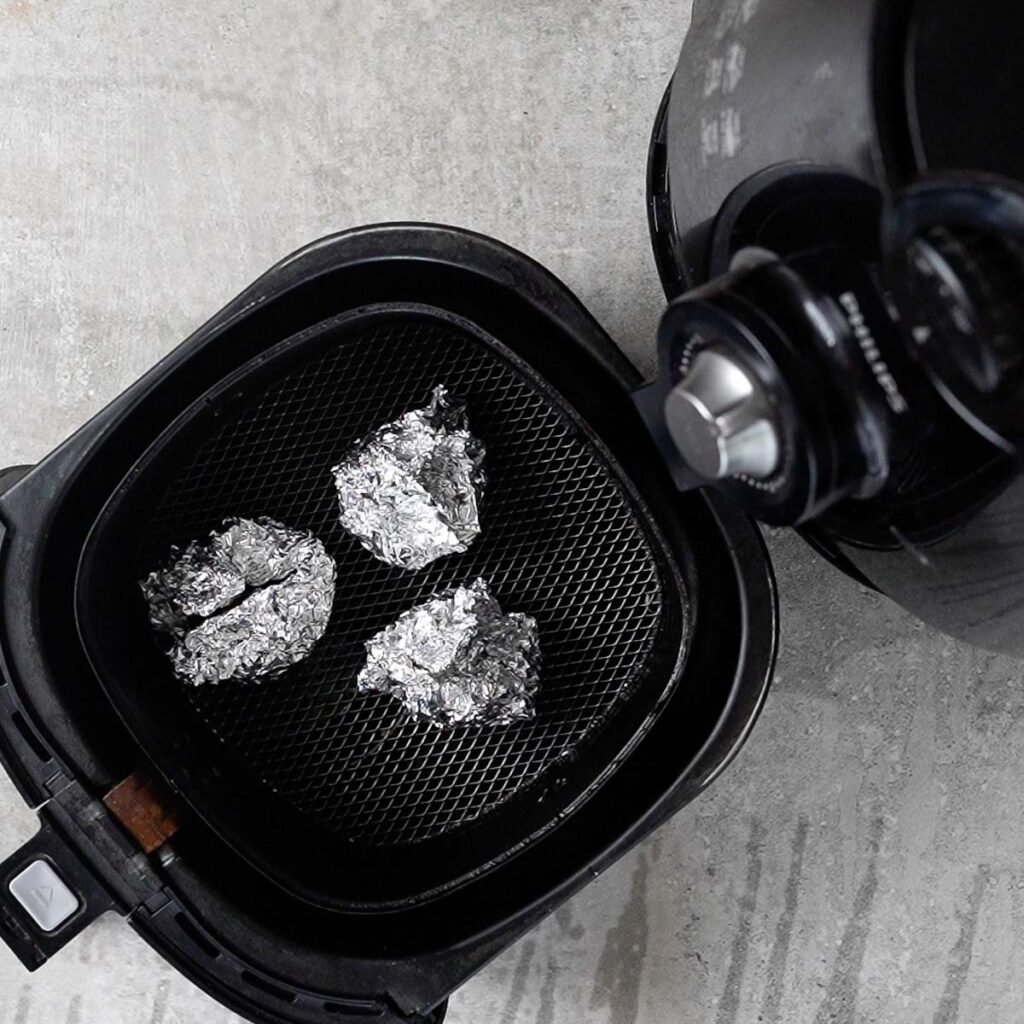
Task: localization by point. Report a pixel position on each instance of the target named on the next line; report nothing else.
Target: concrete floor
(862, 860)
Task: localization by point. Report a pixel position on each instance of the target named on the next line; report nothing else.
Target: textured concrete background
(862, 860)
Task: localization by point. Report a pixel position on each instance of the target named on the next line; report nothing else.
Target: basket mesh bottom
(562, 541)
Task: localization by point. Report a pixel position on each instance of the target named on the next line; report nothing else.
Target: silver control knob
(719, 419)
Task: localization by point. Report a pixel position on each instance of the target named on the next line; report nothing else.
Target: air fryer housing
(830, 137)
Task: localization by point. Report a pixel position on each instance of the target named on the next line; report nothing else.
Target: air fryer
(841, 353)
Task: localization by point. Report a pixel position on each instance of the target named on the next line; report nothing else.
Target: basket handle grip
(48, 895)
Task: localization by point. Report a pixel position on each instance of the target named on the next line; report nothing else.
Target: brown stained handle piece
(146, 808)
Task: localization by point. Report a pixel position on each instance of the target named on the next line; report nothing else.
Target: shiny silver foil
(410, 491)
(247, 603)
(457, 660)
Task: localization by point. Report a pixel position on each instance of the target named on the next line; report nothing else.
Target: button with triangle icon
(43, 895)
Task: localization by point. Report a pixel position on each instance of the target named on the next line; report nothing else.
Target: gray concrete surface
(862, 860)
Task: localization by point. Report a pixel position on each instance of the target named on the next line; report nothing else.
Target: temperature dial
(718, 418)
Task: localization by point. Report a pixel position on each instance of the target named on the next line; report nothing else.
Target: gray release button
(43, 894)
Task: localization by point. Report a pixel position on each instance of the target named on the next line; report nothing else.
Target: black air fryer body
(837, 209)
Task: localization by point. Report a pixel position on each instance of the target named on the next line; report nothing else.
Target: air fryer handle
(48, 895)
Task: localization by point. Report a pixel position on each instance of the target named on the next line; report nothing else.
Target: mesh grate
(561, 542)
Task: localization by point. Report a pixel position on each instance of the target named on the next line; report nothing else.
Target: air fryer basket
(393, 810)
(253, 897)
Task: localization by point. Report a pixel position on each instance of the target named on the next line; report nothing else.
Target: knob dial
(718, 418)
